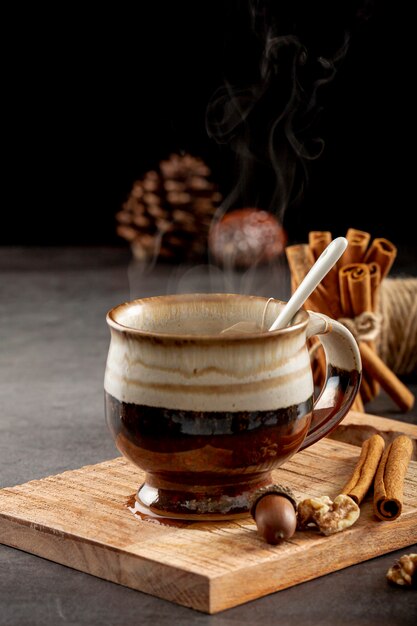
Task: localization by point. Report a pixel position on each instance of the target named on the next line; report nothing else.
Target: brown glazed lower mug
(208, 415)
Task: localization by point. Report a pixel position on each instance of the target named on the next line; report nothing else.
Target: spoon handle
(321, 267)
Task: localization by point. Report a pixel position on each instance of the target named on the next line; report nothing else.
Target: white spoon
(321, 267)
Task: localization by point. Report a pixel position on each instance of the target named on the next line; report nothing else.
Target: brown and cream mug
(208, 415)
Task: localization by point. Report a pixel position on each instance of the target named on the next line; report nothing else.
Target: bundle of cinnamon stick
(384, 468)
(349, 293)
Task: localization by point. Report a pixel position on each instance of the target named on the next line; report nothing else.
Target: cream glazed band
(150, 363)
(234, 377)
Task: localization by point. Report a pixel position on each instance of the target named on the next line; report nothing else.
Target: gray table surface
(54, 343)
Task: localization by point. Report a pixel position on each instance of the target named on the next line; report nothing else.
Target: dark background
(93, 99)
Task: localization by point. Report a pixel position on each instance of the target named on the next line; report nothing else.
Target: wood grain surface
(81, 519)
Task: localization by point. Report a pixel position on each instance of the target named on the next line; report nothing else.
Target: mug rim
(113, 323)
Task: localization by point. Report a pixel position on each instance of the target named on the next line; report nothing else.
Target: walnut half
(404, 571)
(330, 517)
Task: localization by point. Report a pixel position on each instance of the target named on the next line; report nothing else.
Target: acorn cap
(277, 490)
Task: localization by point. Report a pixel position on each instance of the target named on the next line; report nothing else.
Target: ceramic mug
(208, 415)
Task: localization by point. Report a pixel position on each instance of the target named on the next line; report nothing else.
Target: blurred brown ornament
(246, 237)
(169, 212)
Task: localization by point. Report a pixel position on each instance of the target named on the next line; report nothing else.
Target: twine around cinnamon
(393, 326)
(397, 340)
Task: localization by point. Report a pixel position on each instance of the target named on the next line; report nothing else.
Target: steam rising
(269, 281)
(272, 124)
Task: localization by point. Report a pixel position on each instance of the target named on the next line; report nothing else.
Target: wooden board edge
(355, 418)
(235, 588)
(164, 581)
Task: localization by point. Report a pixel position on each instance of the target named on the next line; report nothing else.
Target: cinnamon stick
(358, 241)
(301, 260)
(357, 404)
(375, 274)
(365, 469)
(318, 241)
(367, 393)
(344, 292)
(389, 479)
(376, 368)
(355, 289)
(382, 252)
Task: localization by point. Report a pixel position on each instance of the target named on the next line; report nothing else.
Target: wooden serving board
(81, 519)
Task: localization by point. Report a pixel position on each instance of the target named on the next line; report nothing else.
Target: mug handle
(343, 377)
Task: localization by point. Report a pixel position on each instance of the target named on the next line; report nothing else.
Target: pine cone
(169, 212)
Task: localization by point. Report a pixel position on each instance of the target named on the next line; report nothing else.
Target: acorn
(274, 510)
